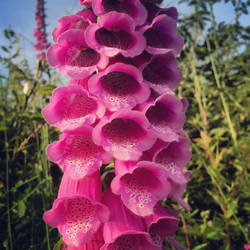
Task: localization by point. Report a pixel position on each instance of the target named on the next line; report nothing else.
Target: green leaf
(46, 90)
(200, 246)
(21, 209)
(4, 48)
(58, 245)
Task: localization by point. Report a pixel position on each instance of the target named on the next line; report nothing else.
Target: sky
(19, 15)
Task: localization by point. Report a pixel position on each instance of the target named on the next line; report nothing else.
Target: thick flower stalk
(119, 117)
(40, 31)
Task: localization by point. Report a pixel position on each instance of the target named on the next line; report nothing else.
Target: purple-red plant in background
(119, 112)
(40, 31)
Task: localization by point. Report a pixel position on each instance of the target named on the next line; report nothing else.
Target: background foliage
(216, 76)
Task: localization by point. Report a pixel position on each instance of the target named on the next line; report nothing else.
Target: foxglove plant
(119, 117)
(40, 31)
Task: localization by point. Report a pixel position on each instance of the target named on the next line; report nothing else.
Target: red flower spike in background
(40, 32)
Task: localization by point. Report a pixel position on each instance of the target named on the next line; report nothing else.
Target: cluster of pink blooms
(119, 107)
(40, 31)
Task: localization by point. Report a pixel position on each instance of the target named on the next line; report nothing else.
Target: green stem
(7, 189)
(223, 100)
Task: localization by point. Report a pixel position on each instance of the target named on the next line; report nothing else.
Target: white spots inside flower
(172, 168)
(163, 128)
(156, 239)
(79, 105)
(125, 242)
(72, 123)
(123, 132)
(117, 101)
(79, 219)
(80, 154)
(138, 192)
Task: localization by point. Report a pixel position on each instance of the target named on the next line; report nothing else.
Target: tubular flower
(71, 55)
(77, 154)
(120, 86)
(77, 211)
(163, 223)
(133, 8)
(80, 21)
(141, 185)
(124, 230)
(161, 36)
(161, 73)
(71, 107)
(115, 34)
(175, 156)
(166, 116)
(154, 11)
(120, 120)
(125, 135)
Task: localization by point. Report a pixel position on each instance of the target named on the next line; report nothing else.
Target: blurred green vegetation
(216, 76)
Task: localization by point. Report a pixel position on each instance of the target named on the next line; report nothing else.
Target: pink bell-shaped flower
(161, 36)
(72, 56)
(166, 116)
(163, 223)
(154, 11)
(161, 73)
(124, 230)
(141, 185)
(80, 20)
(115, 34)
(125, 135)
(133, 8)
(175, 155)
(71, 107)
(77, 211)
(120, 86)
(77, 154)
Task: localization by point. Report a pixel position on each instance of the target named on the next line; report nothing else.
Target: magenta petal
(177, 190)
(80, 218)
(154, 10)
(82, 82)
(76, 212)
(176, 154)
(115, 34)
(85, 2)
(161, 224)
(77, 154)
(124, 230)
(125, 135)
(166, 117)
(71, 55)
(71, 107)
(90, 186)
(53, 55)
(95, 243)
(131, 240)
(81, 20)
(175, 243)
(161, 73)
(120, 86)
(141, 185)
(162, 37)
(56, 215)
(131, 7)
